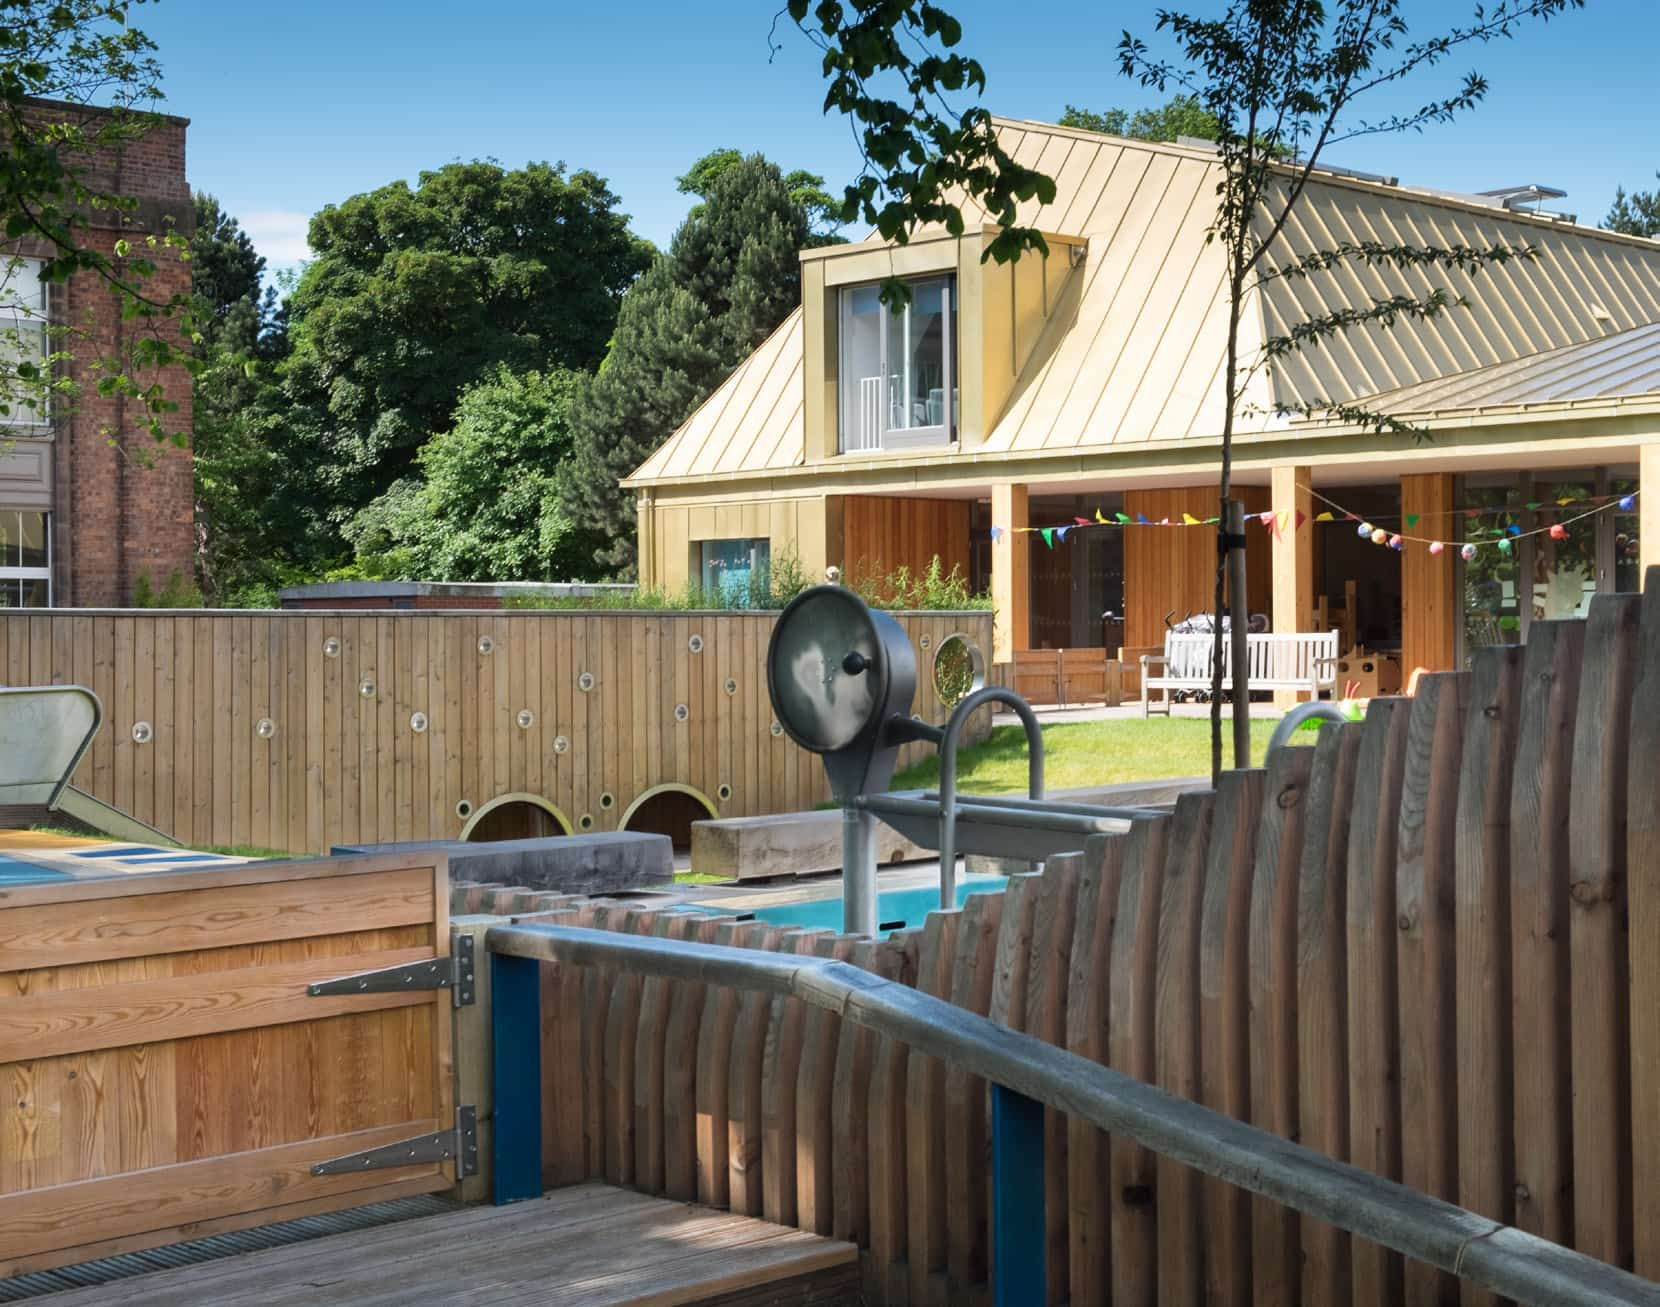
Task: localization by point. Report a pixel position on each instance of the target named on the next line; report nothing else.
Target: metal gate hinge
(453, 972)
(460, 1144)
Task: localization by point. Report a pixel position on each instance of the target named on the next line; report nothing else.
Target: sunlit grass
(1081, 754)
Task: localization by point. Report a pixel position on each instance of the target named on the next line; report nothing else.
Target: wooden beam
(1648, 505)
(1293, 557)
(1010, 573)
(1429, 601)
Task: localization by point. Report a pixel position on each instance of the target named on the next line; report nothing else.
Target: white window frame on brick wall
(11, 552)
(23, 323)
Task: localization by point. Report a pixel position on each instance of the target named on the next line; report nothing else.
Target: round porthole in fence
(366, 687)
(561, 744)
(731, 685)
(417, 722)
(608, 800)
(681, 712)
(777, 726)
(695, 644)
(585, 822)
(959, 669)
(723, 792)
(526, 719)
(486, 644)
(265, 728)
(464, 810)
(585, 682)
(331, 647)
(142, 732)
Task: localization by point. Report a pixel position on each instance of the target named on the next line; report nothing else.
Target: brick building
(89, 502)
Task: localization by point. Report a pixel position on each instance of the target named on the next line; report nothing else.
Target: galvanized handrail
(1316, 710)
(1025, 1072)
(948, 774)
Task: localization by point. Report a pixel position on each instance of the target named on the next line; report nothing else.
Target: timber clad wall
(1405, 947)
(1176, 569)
(342, 763)
(881, 535)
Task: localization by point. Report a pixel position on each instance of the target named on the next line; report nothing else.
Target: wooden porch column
(1648, 506)
(1293, 557)
(646, 540)
(1010, 574)
(1429, 599)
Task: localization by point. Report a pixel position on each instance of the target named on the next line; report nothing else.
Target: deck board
(589, 1244)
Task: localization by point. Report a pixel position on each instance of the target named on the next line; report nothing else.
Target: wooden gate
(165, 1072)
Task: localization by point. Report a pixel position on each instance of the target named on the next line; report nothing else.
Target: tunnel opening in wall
(668, 810)
(515, 817)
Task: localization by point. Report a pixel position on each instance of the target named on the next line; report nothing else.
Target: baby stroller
(1204, 624)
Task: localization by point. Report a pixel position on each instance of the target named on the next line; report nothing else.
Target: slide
(45, 731)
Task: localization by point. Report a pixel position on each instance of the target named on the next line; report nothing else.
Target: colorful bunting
(1084, 521)
(1627, 503)
(1467, 553)
(1324, 517)
(996, 534)
(1412, 520)
(1558, 531)
(1049, 536)
(1123, 518)
(1436, 547)
(1189, 520)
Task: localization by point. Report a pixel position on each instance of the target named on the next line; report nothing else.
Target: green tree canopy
(416, 293)
(730, 276)
(1182, 115)
(1636, 214)
(806, 189)
(486, 508)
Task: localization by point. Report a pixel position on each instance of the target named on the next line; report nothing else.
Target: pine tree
(729, 278)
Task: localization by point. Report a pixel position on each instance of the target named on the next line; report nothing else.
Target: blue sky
(298, 104)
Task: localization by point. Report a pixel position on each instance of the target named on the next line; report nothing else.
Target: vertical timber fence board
(1486, 1172)
(1599, 966)
(1373, 1019)
(1224, 1020)
(965, 1101)
(1539, 874)
(925, 1136)
(1427, 955)
(1643, 888)
(1273, 989)
(814, 1104)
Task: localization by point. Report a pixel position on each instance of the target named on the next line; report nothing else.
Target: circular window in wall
(959, 669)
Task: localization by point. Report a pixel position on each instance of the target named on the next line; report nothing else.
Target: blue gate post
(516, 1058)
(1018, 1232)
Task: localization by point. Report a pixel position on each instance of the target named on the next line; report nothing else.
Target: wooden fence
(303, 730)
(1406, 946)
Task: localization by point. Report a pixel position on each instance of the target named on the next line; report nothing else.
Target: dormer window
(898, 369)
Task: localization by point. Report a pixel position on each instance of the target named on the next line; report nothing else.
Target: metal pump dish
(842, 677)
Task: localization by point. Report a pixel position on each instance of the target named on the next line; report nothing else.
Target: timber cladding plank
(1600, 963)
(1275, 1255)
(180, 1007)
(1132, 1169)
(60, 934)
(1177, 1032)
(1427, 952)
(1643, 866)
(1486, 1174)
(1539, 929)
(1224, 1019)
(1373, 1017)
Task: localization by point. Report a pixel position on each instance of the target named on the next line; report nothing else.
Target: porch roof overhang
(1476, 438)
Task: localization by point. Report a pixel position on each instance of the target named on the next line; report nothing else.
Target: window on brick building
(22, 339)
(25, 559)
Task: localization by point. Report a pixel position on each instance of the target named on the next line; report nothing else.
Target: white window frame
(8, 572)
(890, 437)
(24, 310)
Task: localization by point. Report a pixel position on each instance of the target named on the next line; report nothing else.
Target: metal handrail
(1025, 1071)
(948, 774)
(1316, 710)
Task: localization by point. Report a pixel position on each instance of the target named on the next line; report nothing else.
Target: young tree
(1280, 78)
(1636, 214)
(729, 278)
(416, 293)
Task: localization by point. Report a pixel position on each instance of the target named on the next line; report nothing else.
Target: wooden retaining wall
(298, 730)
(1406, 946)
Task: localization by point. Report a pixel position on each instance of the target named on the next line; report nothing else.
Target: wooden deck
(589, 1244)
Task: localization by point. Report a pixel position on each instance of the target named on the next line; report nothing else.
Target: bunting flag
(996, 534)
(1049, 536)
(1123, 518)
(1412, 520)
(1324, 517)
(1060, 532)
(1189, 520)
(1099, 518)
(1084, 521)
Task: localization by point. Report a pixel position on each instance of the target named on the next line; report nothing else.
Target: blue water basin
(899, 909)
(14, 871)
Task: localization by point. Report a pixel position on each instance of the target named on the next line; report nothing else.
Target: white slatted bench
(1303, 660)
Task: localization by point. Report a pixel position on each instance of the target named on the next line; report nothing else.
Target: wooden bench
(1302, 660)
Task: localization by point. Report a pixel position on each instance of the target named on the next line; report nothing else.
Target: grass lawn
(1079, 754)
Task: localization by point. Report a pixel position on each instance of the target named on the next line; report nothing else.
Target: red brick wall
(123, 503)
